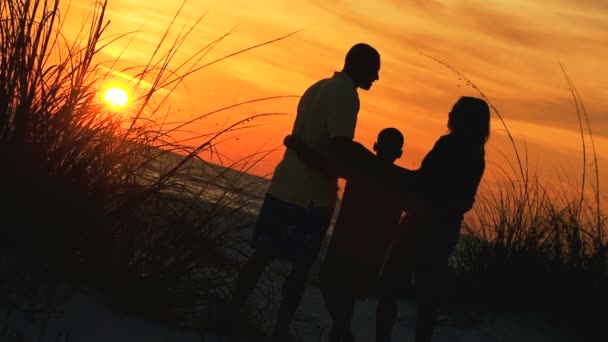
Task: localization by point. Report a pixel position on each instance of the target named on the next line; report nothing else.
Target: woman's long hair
(470, 119)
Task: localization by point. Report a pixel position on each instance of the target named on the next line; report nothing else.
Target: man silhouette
(299, 203)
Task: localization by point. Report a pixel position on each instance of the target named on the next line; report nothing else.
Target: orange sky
(512, 50)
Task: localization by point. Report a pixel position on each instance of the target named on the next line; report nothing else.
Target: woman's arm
(450, 174)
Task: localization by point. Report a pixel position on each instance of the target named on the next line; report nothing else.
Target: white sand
(85, 319)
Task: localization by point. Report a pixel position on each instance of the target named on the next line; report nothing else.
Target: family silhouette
(396, 227)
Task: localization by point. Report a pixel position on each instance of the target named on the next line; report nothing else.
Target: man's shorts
(290, 231)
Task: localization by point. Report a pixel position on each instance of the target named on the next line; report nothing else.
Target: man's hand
(354, 160)
(292, 141)
(310, 156)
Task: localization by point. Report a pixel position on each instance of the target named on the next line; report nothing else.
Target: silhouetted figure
(449, 177)
(298, 206)
(363, 232)
(365, 227)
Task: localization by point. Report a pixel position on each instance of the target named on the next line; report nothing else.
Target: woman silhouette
(450, 175)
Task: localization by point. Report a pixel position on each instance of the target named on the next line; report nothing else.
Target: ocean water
(229, 186)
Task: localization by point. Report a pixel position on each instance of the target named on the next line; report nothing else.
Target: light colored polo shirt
(327, 109)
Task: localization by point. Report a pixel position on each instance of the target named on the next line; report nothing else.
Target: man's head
(362, 63)
(389, 144)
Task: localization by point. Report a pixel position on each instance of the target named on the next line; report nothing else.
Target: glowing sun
(116, 97)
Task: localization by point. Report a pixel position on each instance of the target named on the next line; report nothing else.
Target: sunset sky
(511, 50)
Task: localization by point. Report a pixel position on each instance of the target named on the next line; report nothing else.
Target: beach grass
(532, 244)
(112, 201)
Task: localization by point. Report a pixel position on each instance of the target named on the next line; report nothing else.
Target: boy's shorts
(290, 231)
(341, 275)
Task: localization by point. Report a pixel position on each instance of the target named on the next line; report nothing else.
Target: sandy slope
(78, 317)
(313, 322)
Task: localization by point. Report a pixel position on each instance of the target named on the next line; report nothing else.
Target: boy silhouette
(362, 235)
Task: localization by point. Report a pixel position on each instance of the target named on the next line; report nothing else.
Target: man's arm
(352, 155)
(346, 156)
(311, 157)
(338, 161)
(354, 158)
(351, 158)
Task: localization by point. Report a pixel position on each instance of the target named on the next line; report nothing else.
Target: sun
(116, 97)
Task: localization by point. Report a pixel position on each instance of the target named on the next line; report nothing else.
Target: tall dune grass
(109, 201)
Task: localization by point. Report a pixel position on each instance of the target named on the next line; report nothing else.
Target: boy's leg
(426, 283)
(337, 277)
(330, 292)
(349, 336)
(395, 277)
(341, 330)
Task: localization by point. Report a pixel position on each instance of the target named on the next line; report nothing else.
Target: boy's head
(389, 144)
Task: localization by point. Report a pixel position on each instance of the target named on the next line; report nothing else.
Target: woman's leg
(426, 283)
(386, 316)
(429, 274)
(339, 300)
(392, 281)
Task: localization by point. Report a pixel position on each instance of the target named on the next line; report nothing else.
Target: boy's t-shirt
(368, 218)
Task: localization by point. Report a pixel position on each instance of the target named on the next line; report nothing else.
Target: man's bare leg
(293, 291)
(245, 284)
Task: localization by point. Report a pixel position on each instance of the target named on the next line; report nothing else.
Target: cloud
(420, 3)
(511, 50)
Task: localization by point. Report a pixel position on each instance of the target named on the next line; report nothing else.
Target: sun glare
(116, 98)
